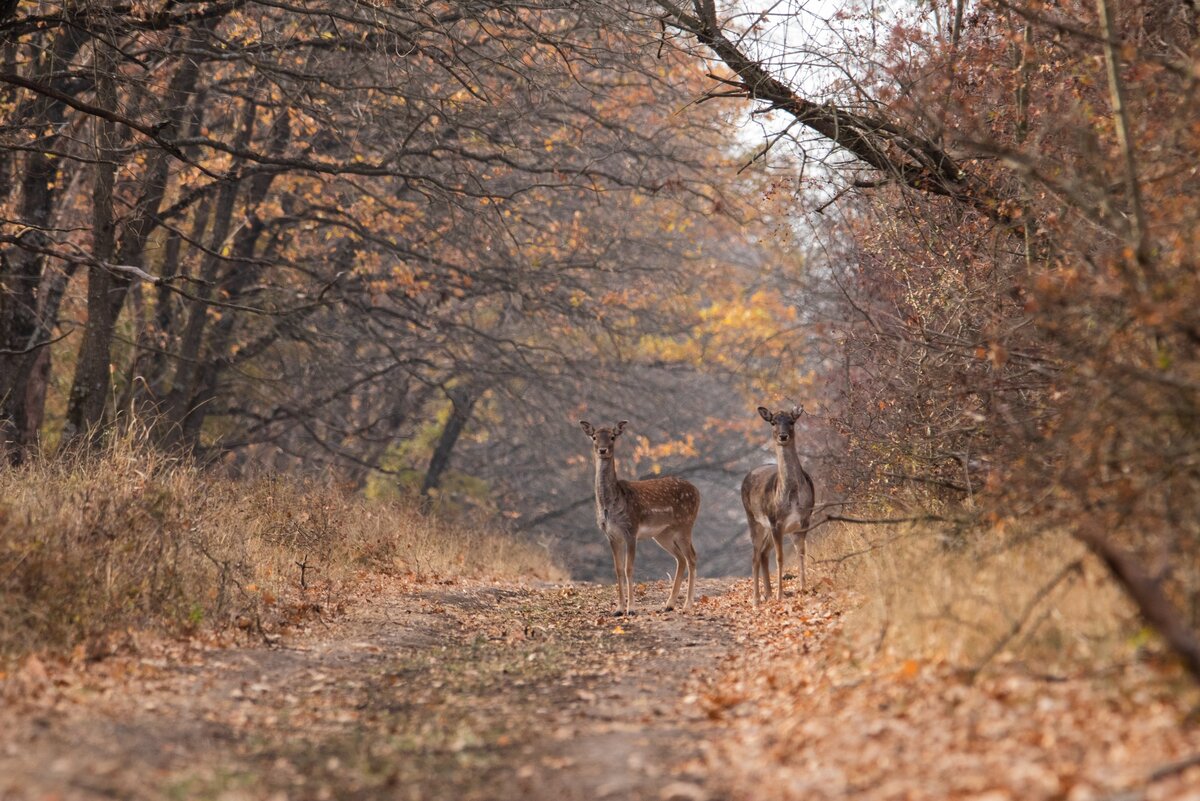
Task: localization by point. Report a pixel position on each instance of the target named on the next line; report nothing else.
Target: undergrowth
(94, 546)
(975, 601)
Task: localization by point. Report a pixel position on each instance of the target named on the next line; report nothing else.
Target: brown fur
(779, 500)
(663, 509)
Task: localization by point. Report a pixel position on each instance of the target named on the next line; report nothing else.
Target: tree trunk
(106, 289)
(22, 334)
(196, 377)
(206, 376)
(1153, 602)
(462, 404)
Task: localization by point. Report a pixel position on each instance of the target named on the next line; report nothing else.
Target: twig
(1171, 768)
(1158, 774)
(884, 520)
(35, 346)
(1073, 568)
(873, 547)
(304, 568)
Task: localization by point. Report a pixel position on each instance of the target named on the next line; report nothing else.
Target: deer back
(659, 502)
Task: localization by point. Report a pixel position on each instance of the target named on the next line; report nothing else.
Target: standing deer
(779, 500)
(663, 509)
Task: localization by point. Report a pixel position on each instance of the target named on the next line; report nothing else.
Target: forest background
(403, 247)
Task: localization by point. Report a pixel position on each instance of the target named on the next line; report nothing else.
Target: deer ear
(620, 427)
(765, 413)
(587, 427)
(797, 411)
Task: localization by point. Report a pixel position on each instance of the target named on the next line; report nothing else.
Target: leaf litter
(470, 689)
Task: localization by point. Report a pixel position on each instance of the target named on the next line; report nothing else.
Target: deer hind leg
(778, 537)
(680, 563)
(690, 553)
(669, 541)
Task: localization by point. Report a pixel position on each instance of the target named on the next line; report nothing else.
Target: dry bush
(1039, 599)
(94, 545)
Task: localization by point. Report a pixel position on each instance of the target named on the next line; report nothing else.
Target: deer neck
(789, 470)
(608, 493)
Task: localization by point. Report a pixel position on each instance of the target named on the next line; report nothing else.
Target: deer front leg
(630, 552)
(803, 555)
(755, 565)
(764, 569)
(778, 537)
(615, 544)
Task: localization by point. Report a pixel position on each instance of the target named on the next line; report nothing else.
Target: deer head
(603, 439)
(783, 423)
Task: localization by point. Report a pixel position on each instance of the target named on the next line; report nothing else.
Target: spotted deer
(663, 509)
(779, 501)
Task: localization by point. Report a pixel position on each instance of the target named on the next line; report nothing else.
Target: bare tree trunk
(956, 25)
(146, 217)
(462, 404)
(1138, 233)
(135, 233)
(21, 266)
(187, 367)
(1151, 599)
(106, 289)
(206, 375)
(168, 311)
(54, 287)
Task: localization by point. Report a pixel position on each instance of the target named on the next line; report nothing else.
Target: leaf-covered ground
(475, 690)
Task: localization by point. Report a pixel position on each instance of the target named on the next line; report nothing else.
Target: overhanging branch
(895, 150)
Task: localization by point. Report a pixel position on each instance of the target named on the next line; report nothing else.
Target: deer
(663, 509)
(779, 500)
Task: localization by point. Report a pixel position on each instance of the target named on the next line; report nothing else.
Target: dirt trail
(467, 691)
(494, 692)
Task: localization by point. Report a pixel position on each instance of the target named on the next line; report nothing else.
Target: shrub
(129, 537)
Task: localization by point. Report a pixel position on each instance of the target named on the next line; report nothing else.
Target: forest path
(461, 691)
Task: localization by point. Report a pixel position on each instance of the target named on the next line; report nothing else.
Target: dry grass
(93, 546)
(999, 597)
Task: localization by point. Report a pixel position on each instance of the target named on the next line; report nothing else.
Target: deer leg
(619, 570)
(755, 562)
(778, 537)
(754, 576)
(764, 560)
(630, 552)
(679, 563)
(691, 566)
(803, 555)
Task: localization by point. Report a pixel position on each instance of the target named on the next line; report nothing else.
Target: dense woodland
(407, 245)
